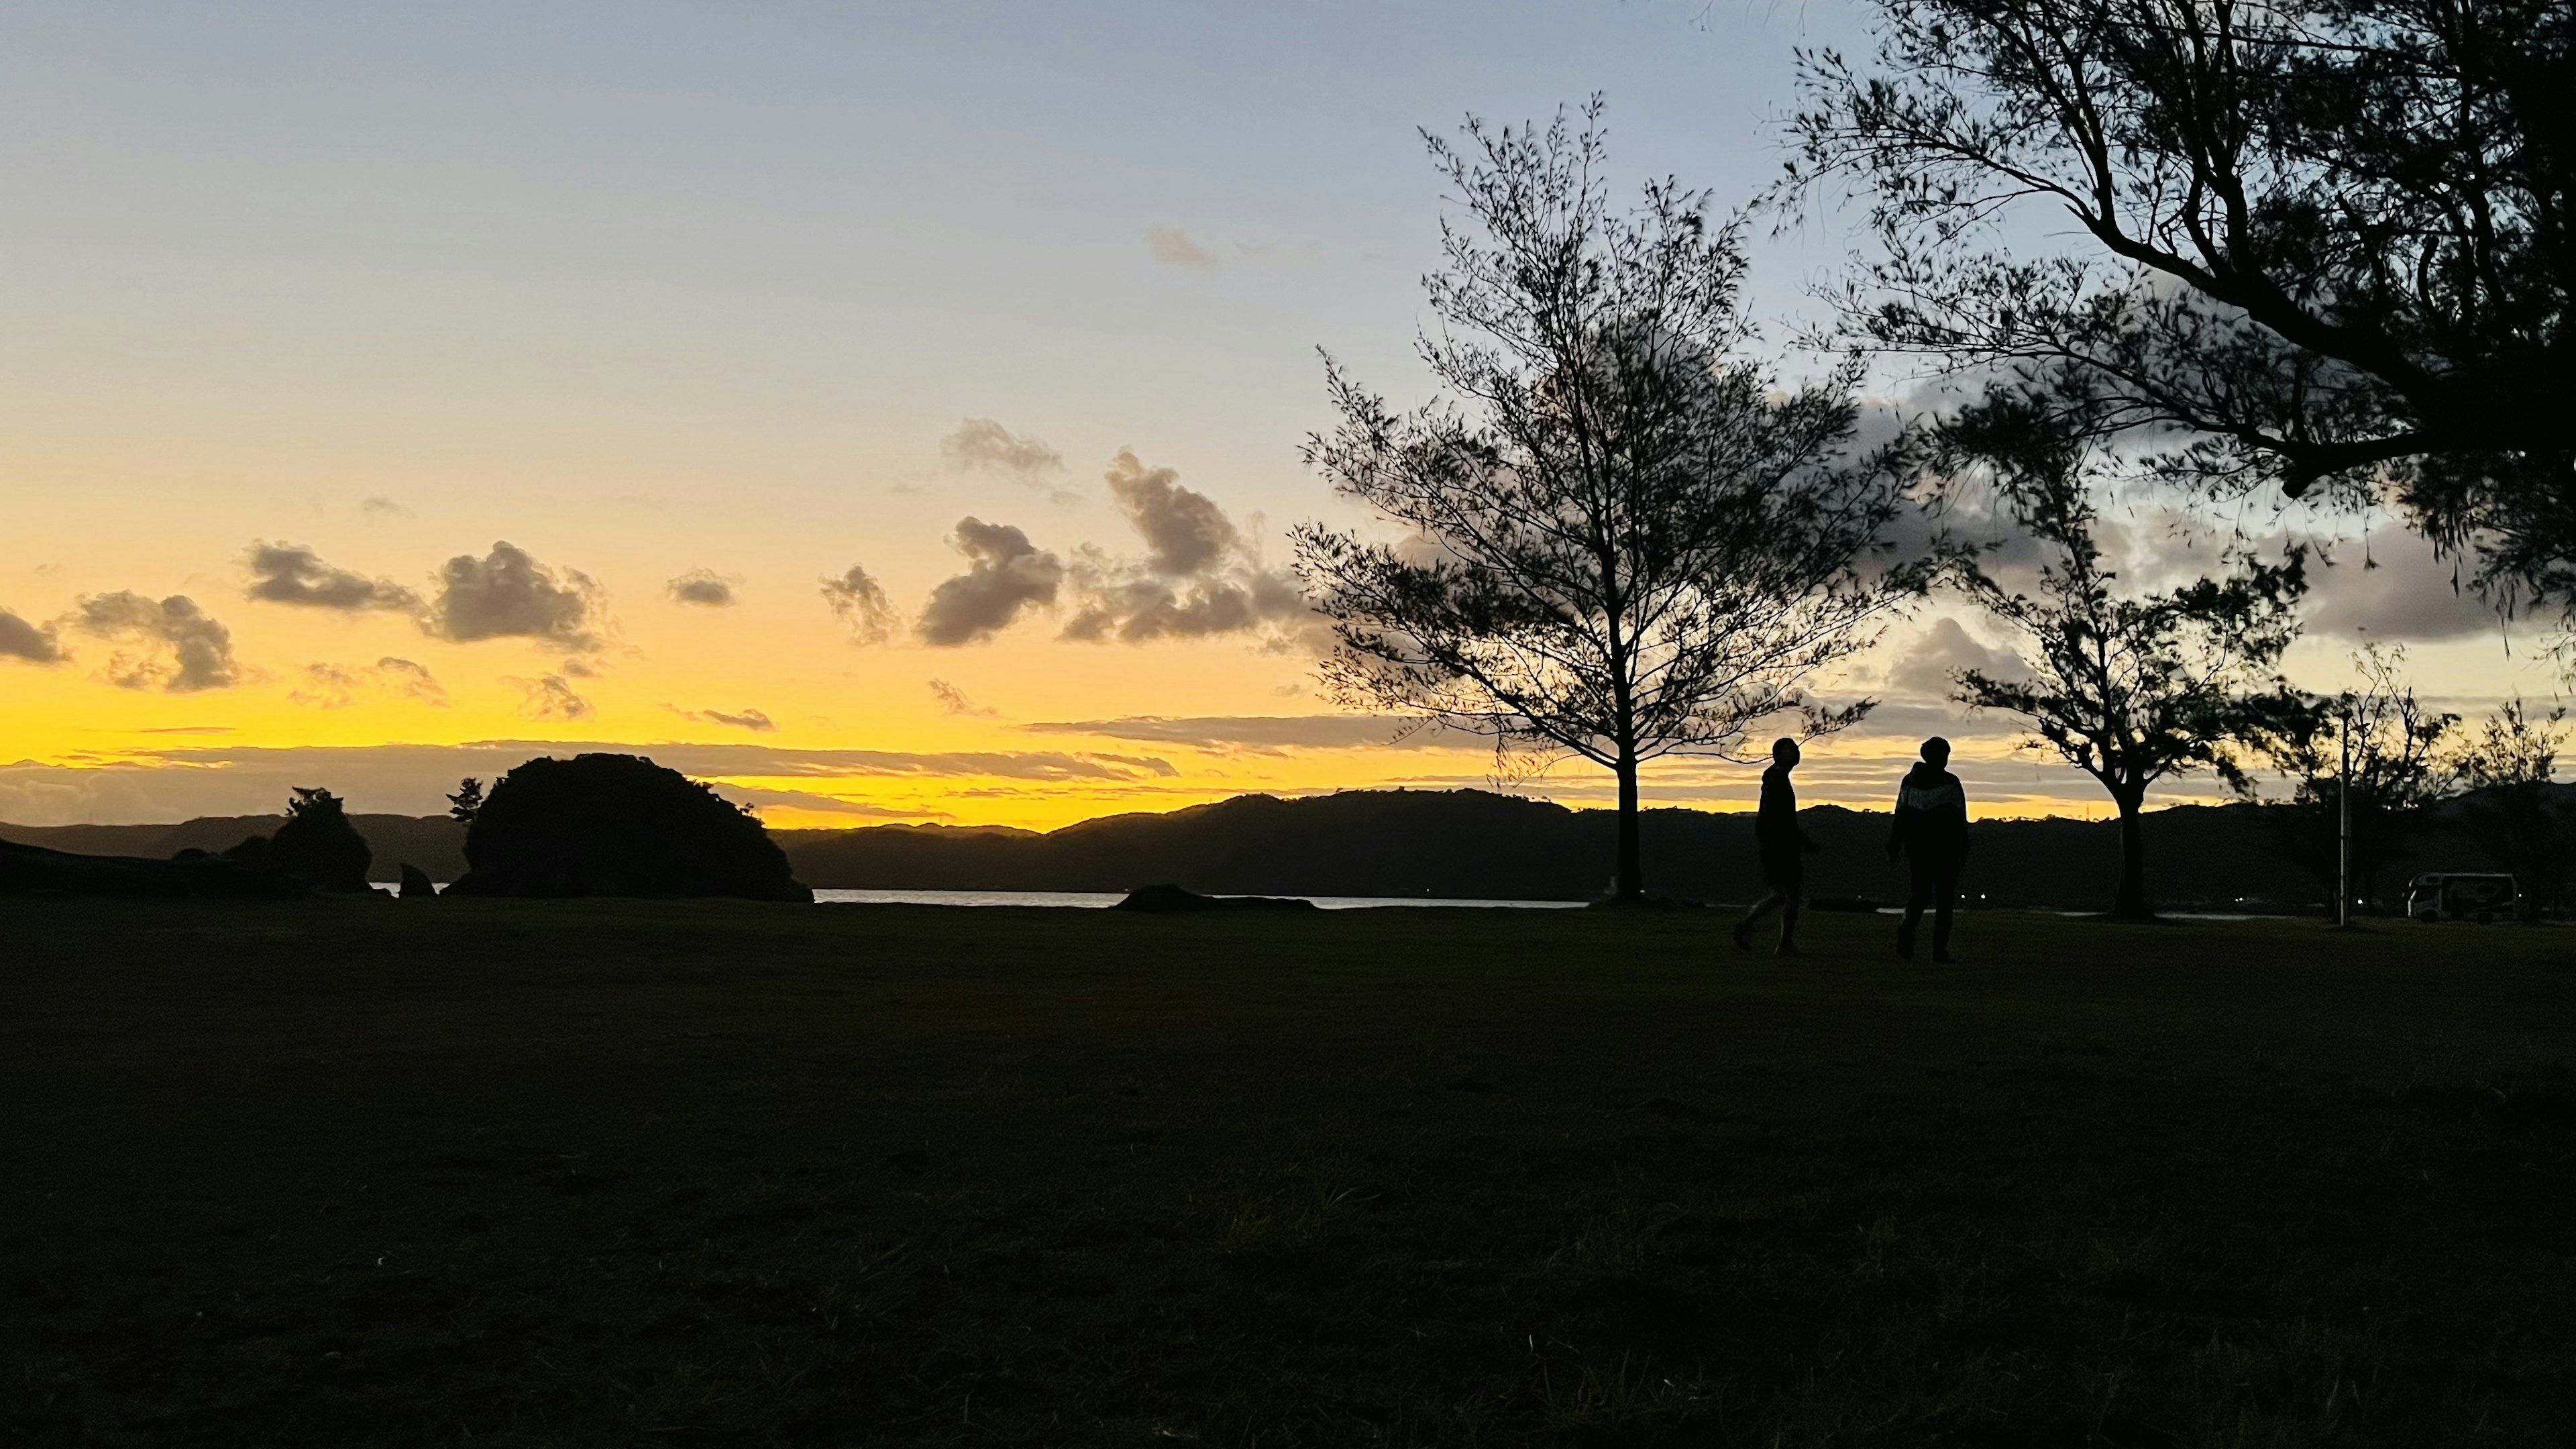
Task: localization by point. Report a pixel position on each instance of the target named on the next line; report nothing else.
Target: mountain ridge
(1449, 844)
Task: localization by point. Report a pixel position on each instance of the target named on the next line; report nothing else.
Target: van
(2460, 896)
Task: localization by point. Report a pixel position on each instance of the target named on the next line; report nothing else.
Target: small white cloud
(1173, 248)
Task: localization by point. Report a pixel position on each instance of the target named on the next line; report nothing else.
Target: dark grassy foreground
(339, 1173)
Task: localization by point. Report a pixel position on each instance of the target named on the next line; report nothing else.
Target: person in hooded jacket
(1931, 832)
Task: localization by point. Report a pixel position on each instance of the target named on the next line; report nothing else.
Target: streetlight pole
(2343, 841)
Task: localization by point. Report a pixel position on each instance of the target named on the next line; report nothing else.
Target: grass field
(590, 1173)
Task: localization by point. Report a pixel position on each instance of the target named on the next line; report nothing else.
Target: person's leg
(1761, 908)
(1918, 894)
(1947, 885)
(1793, 892)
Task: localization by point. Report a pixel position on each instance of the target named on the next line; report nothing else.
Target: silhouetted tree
(2328, 238)
(2398, 774)
(317, 845)
(2128, 686)
(468, 799)
(1624, 541)
(2507, 767)
(618, 825)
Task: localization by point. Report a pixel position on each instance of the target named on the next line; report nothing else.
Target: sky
(876, 409)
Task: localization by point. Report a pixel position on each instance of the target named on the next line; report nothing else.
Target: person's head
(1936, 752)
(1784, 752)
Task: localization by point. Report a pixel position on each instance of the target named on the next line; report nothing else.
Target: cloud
(1930, 666)
(1269, 734)
(190, 780)
(2393, 590)
(703, 586)
(181, 647)
(1005, 574)
(337, 686)
(954, 700)
(327, 686)
(1198, 577)
(1173, 247)
(289, 573)
(550, 696)
(862, 605)
(411, 679)
(22, 640)
(380, 506)
(750, 719)
(757, 797)
(984, 445)
(1185, 532)
(1144, 764)
(509, 595)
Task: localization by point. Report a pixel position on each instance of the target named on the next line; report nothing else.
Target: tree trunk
(1632, 874)
(2130, 904)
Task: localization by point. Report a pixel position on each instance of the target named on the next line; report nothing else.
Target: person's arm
(1896, 827)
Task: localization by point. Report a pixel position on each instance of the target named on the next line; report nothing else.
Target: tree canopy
(2128, 685)
(617, 825)
(1620, 539)
(2326, 239)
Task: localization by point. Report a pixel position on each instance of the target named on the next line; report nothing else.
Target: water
(1102, 900)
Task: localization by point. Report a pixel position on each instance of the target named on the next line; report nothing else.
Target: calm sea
(1102, 900)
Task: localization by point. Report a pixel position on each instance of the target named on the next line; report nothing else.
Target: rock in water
(618, 825)
(416, 884)
(1171, 898)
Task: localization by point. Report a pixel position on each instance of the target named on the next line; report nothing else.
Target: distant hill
(1470, 844)
(435, 843)
(1457, 844)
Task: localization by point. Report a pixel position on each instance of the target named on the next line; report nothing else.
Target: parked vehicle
(2461, 896)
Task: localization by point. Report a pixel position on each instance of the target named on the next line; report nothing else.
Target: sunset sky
(489, 379)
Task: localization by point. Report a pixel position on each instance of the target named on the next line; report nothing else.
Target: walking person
(1783, 848)
(1931, 830)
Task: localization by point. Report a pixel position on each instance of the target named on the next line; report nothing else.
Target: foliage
(2128, 686)
(2333, 235)
(2398, 771)
(1621, 541)
(618, 825)
(317, 845)
(2507, 769)
(468, 799)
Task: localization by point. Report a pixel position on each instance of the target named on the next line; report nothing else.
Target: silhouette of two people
(1931, 832)
(1783, 848)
